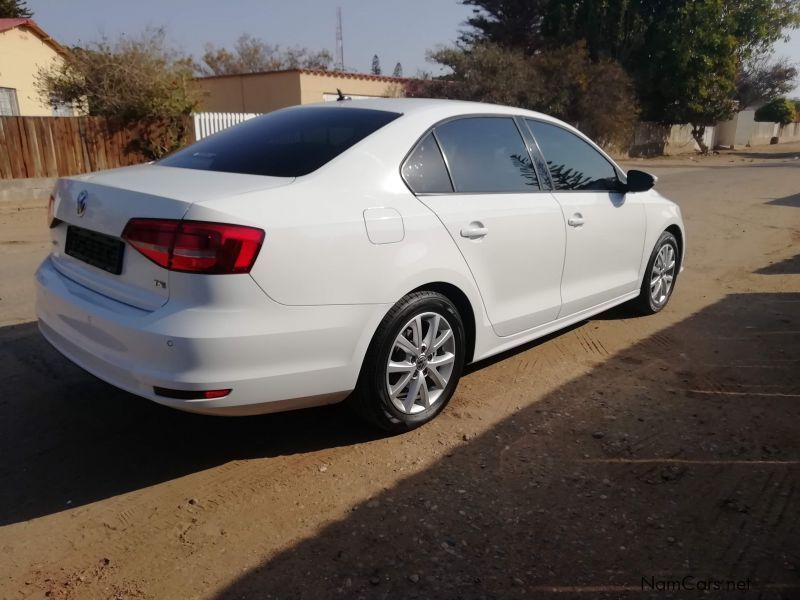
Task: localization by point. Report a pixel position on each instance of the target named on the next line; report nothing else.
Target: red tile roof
(11, 23)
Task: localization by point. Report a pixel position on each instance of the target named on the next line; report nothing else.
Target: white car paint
(342, 245)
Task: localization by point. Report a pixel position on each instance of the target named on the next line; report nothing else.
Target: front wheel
(660, 275)
(413, 363)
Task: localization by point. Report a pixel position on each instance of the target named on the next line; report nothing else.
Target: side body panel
(605, 241)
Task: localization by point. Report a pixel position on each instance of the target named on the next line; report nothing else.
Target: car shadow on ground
(677, 457)
(67, 438)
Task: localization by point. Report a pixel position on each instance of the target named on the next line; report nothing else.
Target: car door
(487, 195)
(605, 227)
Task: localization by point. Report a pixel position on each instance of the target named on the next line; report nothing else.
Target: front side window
(285, 143)
(487, 155)
(425, 171)
(8, 102)
(573, 164)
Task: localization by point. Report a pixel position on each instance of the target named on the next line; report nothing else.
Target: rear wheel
(413, 363)
(660, 275)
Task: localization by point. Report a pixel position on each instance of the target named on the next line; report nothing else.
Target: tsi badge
(80, 206)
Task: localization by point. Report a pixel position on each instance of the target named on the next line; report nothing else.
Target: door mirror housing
(639, 181)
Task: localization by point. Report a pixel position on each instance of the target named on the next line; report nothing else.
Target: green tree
(14, 9)
(376, 65)
(613, 29)
(252, 55)
(778, 110)
(398, 70)
(683, 55)
(689, 78)
(509, 23)
(617, 29)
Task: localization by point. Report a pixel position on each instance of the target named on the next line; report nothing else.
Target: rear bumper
(273, 357)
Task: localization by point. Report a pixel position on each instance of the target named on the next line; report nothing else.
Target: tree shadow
(764, 154)
(676, 457)
(792, 201)
(789, 266)
(67, 438)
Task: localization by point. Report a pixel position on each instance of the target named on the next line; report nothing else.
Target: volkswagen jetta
(360, 250)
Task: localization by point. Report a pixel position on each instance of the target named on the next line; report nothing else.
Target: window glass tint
(573, 164)
(286, 143)
(424, 170)
(487, 154)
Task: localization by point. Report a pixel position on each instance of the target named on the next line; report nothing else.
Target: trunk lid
(104, 203)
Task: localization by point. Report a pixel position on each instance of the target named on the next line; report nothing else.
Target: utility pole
(339, 40)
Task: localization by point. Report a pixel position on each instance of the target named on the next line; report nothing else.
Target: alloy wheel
(420, 363)
(663, 275)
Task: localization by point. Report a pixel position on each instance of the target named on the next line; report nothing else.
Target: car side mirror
(639, 181)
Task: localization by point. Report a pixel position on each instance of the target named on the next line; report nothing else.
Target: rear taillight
(195, 246)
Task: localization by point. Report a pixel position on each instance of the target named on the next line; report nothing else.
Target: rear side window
(424, 171)
(487, 154)
(573, 164)
(285, 143)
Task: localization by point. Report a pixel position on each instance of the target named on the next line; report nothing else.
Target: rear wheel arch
(464, 306)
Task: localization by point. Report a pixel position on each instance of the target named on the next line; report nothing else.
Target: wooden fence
(58, 146)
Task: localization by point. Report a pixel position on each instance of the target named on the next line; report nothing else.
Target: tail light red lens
(195, 246)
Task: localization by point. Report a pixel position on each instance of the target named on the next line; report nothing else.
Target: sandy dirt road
(601, 462)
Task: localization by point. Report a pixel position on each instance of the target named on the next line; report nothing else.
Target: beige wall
(314, 85)
(250, 93)
(267, 92)
(22, 53)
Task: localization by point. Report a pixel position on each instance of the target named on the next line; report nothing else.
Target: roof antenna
(342, 97)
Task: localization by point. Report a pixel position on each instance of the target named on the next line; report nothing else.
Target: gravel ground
(608, 461)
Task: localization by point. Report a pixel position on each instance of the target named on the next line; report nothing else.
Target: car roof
(442, 108)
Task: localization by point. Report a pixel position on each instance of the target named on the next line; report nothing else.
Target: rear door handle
(474, 230)
(575, 220)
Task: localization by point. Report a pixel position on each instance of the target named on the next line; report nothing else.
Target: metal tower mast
(339, 40)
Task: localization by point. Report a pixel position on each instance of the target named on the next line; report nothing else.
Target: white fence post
(209, 123)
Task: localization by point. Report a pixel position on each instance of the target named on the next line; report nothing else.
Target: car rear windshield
(285, 143)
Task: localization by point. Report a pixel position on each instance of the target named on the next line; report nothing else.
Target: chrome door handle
(474, 230)
(575, 220)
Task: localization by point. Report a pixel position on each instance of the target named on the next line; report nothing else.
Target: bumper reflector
(190, 394)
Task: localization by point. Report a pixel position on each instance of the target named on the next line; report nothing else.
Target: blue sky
(396, 30)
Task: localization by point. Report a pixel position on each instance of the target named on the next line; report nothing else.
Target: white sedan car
(359, 250)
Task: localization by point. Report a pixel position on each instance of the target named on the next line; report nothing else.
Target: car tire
(404, 358)
(660, 275)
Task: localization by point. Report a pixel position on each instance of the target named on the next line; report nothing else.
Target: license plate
(97, 249)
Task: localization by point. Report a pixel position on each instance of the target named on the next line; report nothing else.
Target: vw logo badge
(81, 204)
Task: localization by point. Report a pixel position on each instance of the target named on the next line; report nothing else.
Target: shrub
(778, 110)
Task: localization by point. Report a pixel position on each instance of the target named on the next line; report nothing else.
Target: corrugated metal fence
(209, 123)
